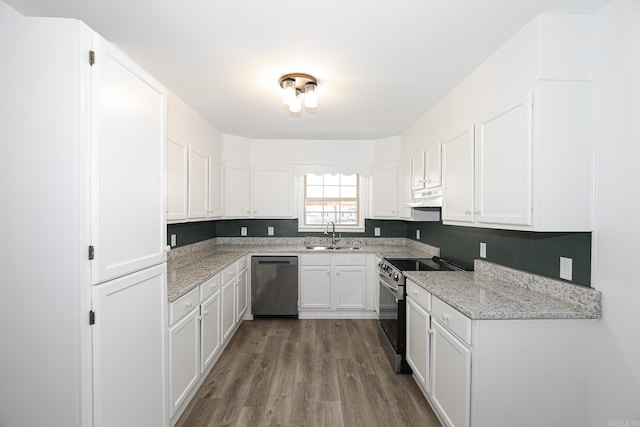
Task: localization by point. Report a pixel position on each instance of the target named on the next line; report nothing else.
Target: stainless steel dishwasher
(274, 286)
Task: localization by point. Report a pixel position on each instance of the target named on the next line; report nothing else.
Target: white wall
(187, 127)
(615, 356)
(6, 10)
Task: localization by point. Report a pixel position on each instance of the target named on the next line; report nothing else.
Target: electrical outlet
(483, 250)
(173, 240)
(376, 231)
(243, 231)
(270, 231)
(566, 268)
(418, 234)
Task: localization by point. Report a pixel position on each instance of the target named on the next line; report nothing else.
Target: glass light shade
(294, 105)
(310, 96)
(288, 91)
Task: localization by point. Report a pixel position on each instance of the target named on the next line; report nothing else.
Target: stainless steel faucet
(333, 232)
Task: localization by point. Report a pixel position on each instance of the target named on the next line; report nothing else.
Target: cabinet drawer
(241, 264)
(315, 260)
(183, 306)
(229, 274)
(419, 295)
(349, 259)
(209, 287)
(457, 322)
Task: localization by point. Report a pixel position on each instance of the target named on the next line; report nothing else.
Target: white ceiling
(381, 64)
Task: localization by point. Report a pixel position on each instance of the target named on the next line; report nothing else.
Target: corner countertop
(195, 265)
(482, 295)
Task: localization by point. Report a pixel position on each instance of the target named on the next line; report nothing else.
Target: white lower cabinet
(241, 294)
(201, 323)
(184, 347)
(337, 285)
(228, 317)
(451, 377)
(487, 373)
(418, 342)
(210, 330)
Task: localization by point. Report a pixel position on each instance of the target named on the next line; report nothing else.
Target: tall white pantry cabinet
(83, 306)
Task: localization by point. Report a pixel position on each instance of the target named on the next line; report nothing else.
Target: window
(332, 198)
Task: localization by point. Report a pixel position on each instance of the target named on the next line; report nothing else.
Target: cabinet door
(457, 200)
(210, 330)
(451, 382)
(418, 341)
(228, 308)
(241, 295)
(237, 192)
(272, 192)
(198, 184)
(184, 358)
(351, 287)
(177, 179)
(404, 190)
(385, 191)
(433, 166)
(503, 163)
(214, 201)
(315, 287)
(418, 171)
(128, 205)
(129, 350)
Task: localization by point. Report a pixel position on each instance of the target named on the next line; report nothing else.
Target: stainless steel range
(392, 306)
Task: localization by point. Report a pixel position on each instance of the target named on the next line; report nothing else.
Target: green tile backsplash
(534, 252)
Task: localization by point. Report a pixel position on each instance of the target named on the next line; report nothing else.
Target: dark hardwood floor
(307, 373)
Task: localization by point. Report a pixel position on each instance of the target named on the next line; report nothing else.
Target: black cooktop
(423, 264)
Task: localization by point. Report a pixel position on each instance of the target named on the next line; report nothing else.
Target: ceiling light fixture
(294, 86)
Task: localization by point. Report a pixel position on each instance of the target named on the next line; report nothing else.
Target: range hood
(426, 199)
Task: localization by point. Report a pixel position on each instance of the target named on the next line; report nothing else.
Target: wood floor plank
(282, 372)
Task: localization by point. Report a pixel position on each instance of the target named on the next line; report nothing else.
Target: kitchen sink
(319, 248)
(347, 248)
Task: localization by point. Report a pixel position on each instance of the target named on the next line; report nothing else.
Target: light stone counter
(496, 292)
(190, 266)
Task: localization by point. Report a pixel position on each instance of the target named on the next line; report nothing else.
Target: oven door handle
(396, 291)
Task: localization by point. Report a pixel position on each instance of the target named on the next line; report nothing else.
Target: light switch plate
(566, 268)
(173, 240)
(270, 231)
(376, 231)
(243, 231)
(483, 250)
(418, 234)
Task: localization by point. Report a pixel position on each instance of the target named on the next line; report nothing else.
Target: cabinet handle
(430, 331)
(445, 317)
(467, 212)
(189, 304)
(205, 312)
(337, 273)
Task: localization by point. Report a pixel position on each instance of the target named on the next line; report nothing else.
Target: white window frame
(362, 203)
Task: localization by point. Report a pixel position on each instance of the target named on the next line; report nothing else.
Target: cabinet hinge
(92, 57)
(91, 252)
(92, 317)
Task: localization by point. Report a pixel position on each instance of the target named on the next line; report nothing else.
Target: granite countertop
(483, 296)
(198, 264)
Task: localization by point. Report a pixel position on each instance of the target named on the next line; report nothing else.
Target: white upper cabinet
(177, 180)
(457, 201)
(128, 209)
(214, 199)
(237, 191)
(198, 184)
(385, 191)
(272, 192)
(427, 168)
(532, 167)
(503, 163)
